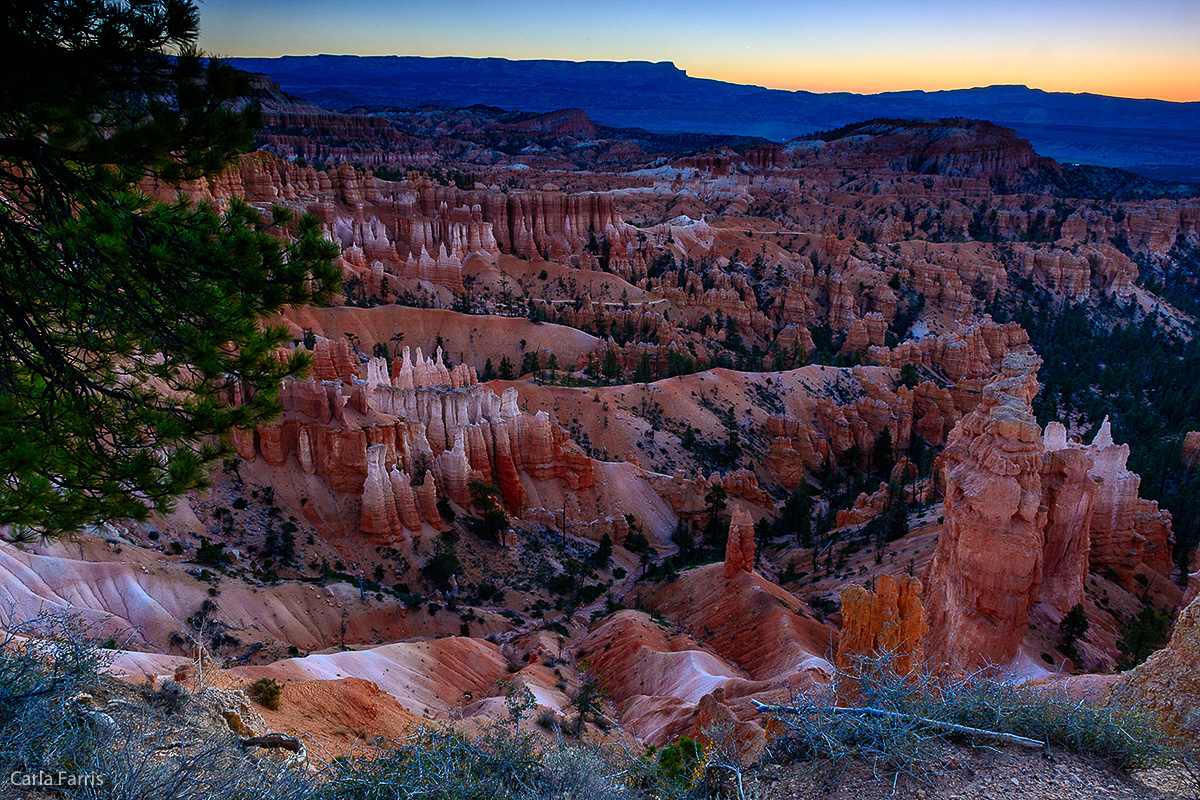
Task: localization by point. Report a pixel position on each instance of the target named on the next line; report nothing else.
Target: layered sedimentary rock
(1026, 518)
(739, 547)
(416, 230)
(886, 625)
(975, 351)
(871, 506)
(686, 495)
(1069, 497)
(371, 437)
(1126, 531)
(989, 559)
(717, 725)
(656, 677)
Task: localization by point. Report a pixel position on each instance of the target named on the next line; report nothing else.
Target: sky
(1133, 48)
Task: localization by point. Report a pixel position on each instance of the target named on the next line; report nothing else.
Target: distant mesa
(1155, 137)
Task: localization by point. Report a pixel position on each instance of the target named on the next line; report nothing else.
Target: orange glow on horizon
(1172, 77)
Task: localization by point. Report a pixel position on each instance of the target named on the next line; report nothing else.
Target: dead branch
(948, 727)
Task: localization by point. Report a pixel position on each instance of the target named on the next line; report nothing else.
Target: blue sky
(1149, 48)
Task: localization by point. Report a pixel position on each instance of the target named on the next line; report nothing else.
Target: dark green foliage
(611, 367)
(883, 458)
(683, 538)
(506, 369)
(529, 364)
(281, 544)
(637, 542)
(1146, 379)
(265, 692)
(678, 761)
(644, 373)
(604, 551)
(210, 553)
(125, 319)
(795, 517)
(1074, 625)
(734, 448)
(1142, 635)
(586, 701)
(444, 563)
(716, 524)
(445, 510)
(492, 521)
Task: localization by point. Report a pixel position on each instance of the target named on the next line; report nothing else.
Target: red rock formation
(686, 495)
(717, 726)
(739, 547)
(1191, 449)
(379, 514)
(751, 622)
(1069, 498)
(887, 625)
(565, 122)
(989, 559)
(974, 351)
(1025, 521)
(1126, 531)
(423, 419)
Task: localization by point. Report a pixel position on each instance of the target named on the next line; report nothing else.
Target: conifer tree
(125, 322)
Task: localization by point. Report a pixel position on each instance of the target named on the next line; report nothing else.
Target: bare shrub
(580, 771)
(900, 720)
(169, 695)
(57, 713)
(45, 663)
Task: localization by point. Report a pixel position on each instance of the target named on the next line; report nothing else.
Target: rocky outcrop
(369, 437)
(739, 547)
(871, 506)
(1126, 531)
(1168, 682)
(1026, 518)
(989, 559)
(564, 122)
(1190, 452)
(975, 351)
(886, 625)
(1069, 499)
(717, 725)
(686, 495)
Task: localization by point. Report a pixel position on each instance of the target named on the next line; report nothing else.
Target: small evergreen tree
(716, 526)
(644, 372)
(604, 551)
(1074, 625)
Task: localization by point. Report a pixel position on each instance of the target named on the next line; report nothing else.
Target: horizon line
(703, 77)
